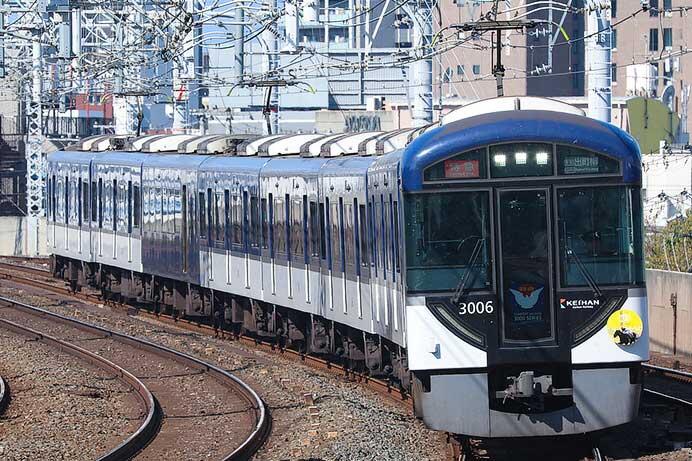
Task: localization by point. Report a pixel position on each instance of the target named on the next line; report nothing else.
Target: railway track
(190, 393)
(668, 384)
(42, 279)
(152, 413)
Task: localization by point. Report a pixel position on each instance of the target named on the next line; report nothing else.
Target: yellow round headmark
(625, 327)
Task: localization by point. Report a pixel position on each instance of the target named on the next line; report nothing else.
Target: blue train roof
(242, 165)
(522, 125)
(347, 166)
(173, 160)
(293, 166)
(72, 156)
(121, 158)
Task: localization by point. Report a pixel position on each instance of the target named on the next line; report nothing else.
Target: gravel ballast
(61, 408)
(316, 415)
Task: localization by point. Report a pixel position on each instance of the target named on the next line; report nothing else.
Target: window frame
(559, 287)
(492, 210)
(460, 182)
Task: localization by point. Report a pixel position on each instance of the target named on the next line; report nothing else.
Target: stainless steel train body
(493, 264)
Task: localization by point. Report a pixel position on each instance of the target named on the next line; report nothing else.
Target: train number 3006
(480, 307)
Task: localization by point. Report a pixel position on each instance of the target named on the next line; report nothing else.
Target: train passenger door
(525, 268)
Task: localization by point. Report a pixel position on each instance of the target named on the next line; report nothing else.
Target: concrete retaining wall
(13, 237)
(667, 334)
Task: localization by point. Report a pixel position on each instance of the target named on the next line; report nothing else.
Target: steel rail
(262, 427)
(670, 373)
(670, 398)
(380, 386)
(28, 269)
(667, 371)
(146, 432)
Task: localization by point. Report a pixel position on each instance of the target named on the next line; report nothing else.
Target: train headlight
(520, 158)
(500, 159)
(541, 158)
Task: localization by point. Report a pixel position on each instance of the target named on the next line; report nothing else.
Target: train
(490, 263)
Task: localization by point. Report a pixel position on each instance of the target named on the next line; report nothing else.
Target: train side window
(162, 208)
(94, 202)
(183, 229)
(202, 218)
(79, 203)
(254, 222)
(100, 202)
(58, 204)
(149, 207)
(306, 230)
(395, 214)
(348, 231)
(115, 205)
(85, 201)
(270, 226)
(67, 200)
(279, 215)
(122, 206)
(136, 206)
(246, 219)
(52, 197)
(297, 226)
(237, 234)
(227, 215)
(49, 201)
(210, 215)
(363, 234)
(129, 207)
(328, 232)
(314, 230)
(265, 226)
(337, 235)
(373, 227)
(384, 218)
(172, 201)
(156, 208)
(287, 223)
(358, 235)
(219, 213)
(323, 233)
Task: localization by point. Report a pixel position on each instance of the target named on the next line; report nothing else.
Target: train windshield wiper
(584, 272)
(459, 291)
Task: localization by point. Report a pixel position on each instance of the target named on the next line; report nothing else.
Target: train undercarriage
(365, 353)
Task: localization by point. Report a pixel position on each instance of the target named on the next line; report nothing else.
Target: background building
(538, 62)
(650, 53)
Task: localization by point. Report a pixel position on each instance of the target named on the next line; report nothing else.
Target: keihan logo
(527, 295)
(579, 303)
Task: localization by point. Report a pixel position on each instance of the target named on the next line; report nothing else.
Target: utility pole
(291, 25)
(35, 167)
(497, 27)
(598, 59)
(421, 69)
(271, 97)
(184, 73)
(124, 111)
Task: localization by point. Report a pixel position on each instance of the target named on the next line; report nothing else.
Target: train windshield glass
(602, 227)
(442, 232)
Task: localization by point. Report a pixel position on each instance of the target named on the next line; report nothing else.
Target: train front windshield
(523, 241)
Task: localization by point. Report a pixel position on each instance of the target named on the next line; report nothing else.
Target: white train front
(492, 264)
